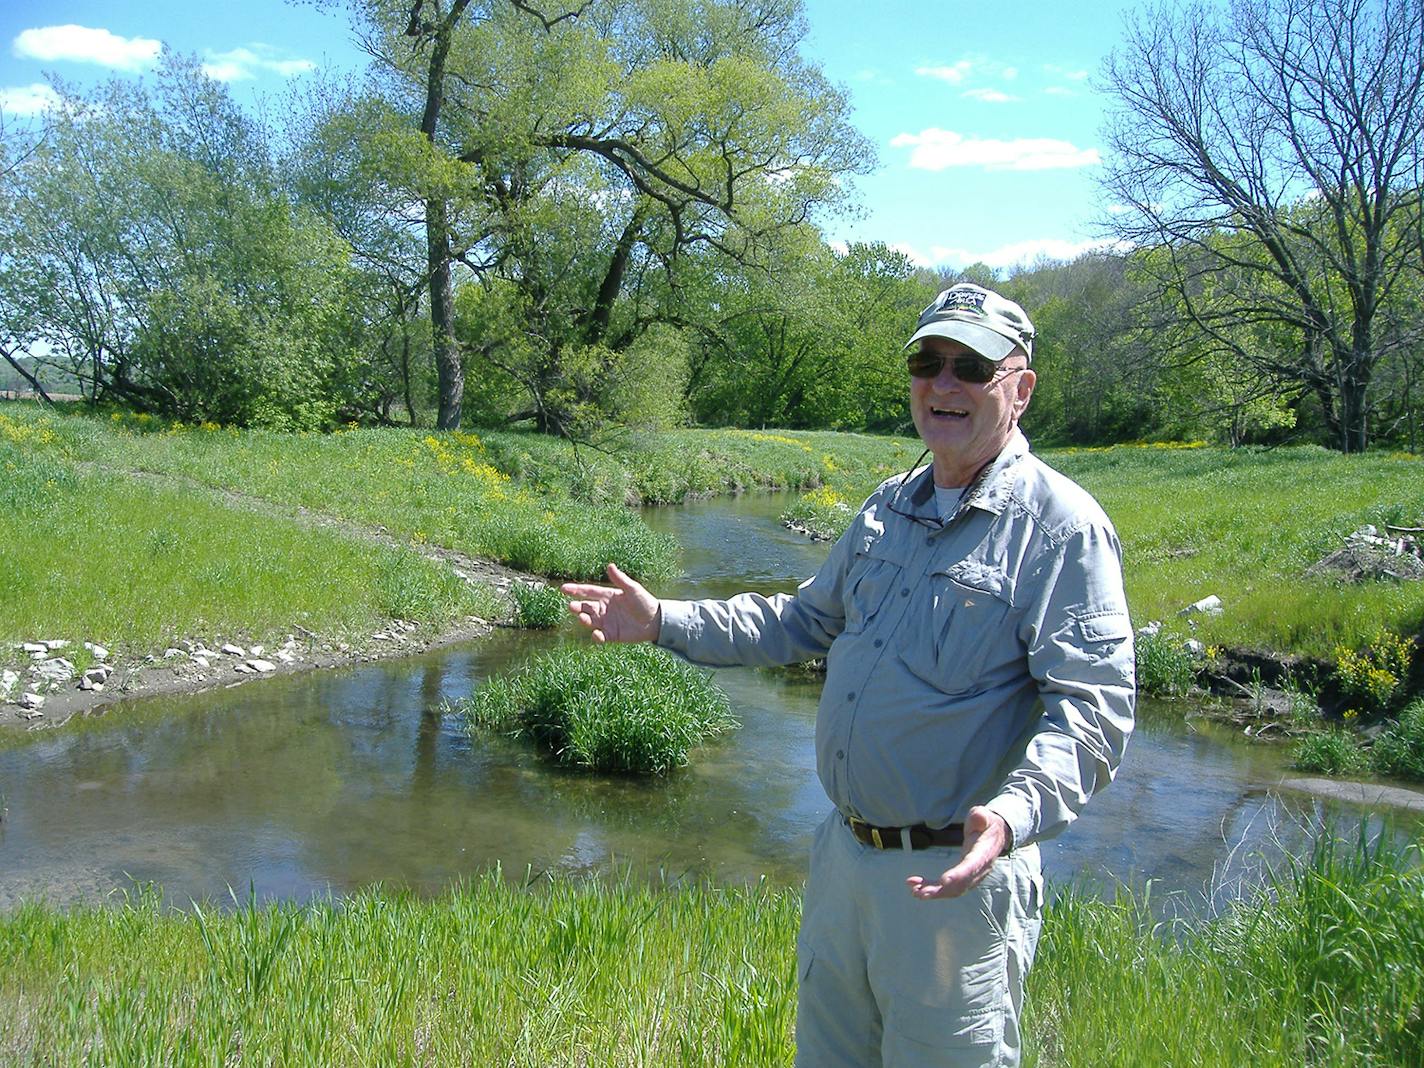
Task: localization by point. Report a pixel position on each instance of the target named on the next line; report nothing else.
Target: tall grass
(1320, 967)
(1245, 524)
(618, 708)
(138, 566)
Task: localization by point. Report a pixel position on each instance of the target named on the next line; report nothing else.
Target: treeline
(614, 215)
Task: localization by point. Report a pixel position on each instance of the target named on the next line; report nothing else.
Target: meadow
(122, 529)
(1318, 965)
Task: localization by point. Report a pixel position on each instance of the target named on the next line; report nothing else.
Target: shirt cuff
(678, 623)
(1017, 813)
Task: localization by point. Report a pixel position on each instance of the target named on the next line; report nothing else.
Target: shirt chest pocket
(960, 629)
(875, 574)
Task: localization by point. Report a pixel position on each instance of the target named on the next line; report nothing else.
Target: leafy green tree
(148, 247)
(576, 162)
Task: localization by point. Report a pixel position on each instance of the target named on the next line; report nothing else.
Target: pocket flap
(1105, 627)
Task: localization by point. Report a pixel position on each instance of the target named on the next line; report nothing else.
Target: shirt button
(840, 754)
(879, 642)
(905, 592)
(850, 696)
(929, 541)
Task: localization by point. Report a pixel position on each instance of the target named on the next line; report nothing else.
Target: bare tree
(1279, 143)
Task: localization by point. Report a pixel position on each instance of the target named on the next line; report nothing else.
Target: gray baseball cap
(989, 324)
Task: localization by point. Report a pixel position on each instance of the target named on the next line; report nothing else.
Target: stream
(327, 782)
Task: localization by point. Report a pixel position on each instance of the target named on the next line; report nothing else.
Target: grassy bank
(171, 508)
(135, 534)
(1241, 524)
(1321, 968)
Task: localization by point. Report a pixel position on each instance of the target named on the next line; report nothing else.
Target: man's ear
(1023, 391)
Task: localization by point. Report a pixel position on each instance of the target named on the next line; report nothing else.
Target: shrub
(537, 607)
(1332, 752)
(1377, 673)
(1400, 749)
(623, 708)
(1164, 666)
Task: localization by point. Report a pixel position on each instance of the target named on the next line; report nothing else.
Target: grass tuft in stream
(616, 708)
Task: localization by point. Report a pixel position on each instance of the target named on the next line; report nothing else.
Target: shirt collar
(989, 491)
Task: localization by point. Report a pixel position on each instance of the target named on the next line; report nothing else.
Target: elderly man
(979, 689)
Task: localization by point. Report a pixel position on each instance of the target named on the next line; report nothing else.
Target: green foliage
(1164, 666)
(537, 607)
(148, 241)
(179, 561)
(1318, 965)
(1399, 750)
(1332, 752)
(634, 709)
(1377, 673)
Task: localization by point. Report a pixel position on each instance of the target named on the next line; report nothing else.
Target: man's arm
(1080, 654)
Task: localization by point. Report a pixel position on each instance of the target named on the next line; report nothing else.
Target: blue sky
(984, 118)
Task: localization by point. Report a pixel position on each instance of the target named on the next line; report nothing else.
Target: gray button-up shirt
(983, 660)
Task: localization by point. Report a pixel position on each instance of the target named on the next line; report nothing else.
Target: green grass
(1330, 752)
(1399, 750)
(1319, 967)
(1245, 524)
(1164, 666)
(137, 566)
(614, 708)
(538, 607)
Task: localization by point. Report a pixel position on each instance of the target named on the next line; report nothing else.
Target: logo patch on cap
(963, 299)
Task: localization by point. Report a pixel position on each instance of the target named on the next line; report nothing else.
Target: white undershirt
(947, 500)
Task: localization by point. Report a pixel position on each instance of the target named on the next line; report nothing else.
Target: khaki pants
(887, 979)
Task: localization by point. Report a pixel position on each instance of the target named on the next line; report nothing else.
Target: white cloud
(936, 149)
(1059, 90)
(242, 63)
(1017, 254)
(954, 74)
(82, 44)
(1072, 74)
(28, 99)
(990, 96)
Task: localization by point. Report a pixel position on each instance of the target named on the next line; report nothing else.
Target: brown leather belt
(921, 836)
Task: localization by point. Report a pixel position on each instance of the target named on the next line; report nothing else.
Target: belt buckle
(863, 830)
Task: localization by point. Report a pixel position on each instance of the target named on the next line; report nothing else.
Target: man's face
(966, 424)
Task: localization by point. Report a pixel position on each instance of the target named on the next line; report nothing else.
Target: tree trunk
(448, 368)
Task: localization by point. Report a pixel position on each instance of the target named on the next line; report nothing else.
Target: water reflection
(331, 782)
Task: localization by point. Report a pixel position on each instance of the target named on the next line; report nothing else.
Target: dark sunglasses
(966, 367)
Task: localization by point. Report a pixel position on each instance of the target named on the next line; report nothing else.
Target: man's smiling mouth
(958, 413)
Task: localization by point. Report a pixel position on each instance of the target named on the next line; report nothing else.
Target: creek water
(328, 782)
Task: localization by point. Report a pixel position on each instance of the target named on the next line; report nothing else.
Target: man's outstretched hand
(985, 836)
(623, 612)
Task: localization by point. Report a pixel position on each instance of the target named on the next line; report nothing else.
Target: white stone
(56, 643)
(233, 650)
(35, 647)
(57, 669)
(169, 654)
(86, 683)
(257, 650)
(31, 700)
(262, 665)
(245, 669)
(285, 656)
(1194, 647)
(8, 679)
(1207, 606)
(98, 651)
(201, 661)
(99, 673)
(381, 636)
(1150, 629)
